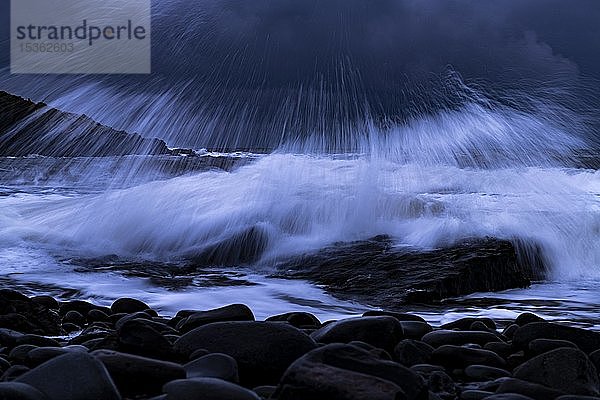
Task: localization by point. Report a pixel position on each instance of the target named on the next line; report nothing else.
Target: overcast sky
(375, 51)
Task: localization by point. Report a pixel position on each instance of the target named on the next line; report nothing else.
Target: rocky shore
(76, 350)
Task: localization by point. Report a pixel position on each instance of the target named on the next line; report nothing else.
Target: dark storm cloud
(255, 66)
(381, 42)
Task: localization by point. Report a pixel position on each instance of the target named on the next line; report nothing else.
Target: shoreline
(78, 350)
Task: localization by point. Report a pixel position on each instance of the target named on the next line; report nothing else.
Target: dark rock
(375, 272)
(234, 312)
(532, 390)
(47, 301)
(510, 330)
(73, 376)
(411, 352)
(577, 397)
(263, 350)
(36, 340)
(264, 392)
(502, 349)
(483, 373)
(527, 318)
(74, 317)
(376, 351)
(508, 396)
(70, 328)
(464, 324)
(565, 369)
(4, 365)
(426, 369)
(18, 323)
(339, 371)
(19, 391)
(209, 388)
(9, 337)
(97, 316)
(461, 357)
(135, 375)
(441, 384)
(140, 315)
(215, 365)
(515, 359)
(128, 306)
(382, 332)
(138, 338)
(14, 372)
(402, 317)
(415, 329)
(587, 341)
(79, 136)
(475, 395)
(459, 338)
(40, 355)
(198, 353)
(540, 346)
(81, 306)
(595, 359)
(18, 355)
(297, 319)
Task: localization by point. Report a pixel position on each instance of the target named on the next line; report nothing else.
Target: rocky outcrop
(374, 272)
(35, 128)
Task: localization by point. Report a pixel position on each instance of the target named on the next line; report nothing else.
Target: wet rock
(501, 348)
(136, 375)
(508, 396)
(527, 318)
(510, 330)
(97, 316)
(19, 391)
(475, 395)
(577, 397)
(565, 369)
(234, 312)
(532, 390)
(18, 323)
(70, 328)
(402, 317)
(441, 384)
(79, 135)
(40, 355)
(215, 365)
(56, 378)
(464, 324)
(18, 355)
(411, 352)
(297, 319)
(415, 329)
(264, 392)
(339, 371)
(540, 346)
(483, 373)
(595, 359)
(46, 301)
(587, 341)
(81, 306)
(138, 338)
(36, 340)
(375, 272)
(13, 372)
(382, 332)
(128, 306)
(4, 365)
(459, 338)
(74, 317)
(209, 388)
(140, 315)
(263, 350)
(461, 357)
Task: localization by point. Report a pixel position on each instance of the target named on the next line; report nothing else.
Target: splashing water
(470, 172)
